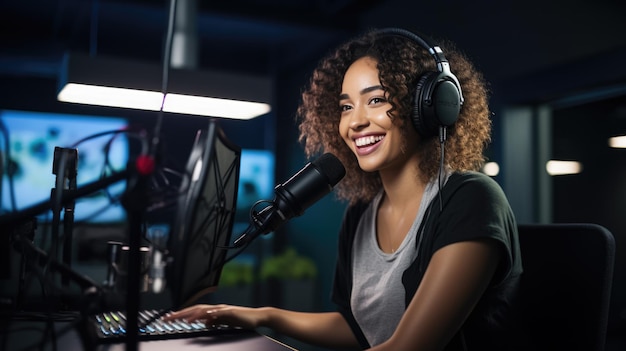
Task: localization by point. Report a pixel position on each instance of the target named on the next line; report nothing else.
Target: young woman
(428, 252)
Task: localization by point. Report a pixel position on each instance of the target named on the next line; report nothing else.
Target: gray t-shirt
(377, 299)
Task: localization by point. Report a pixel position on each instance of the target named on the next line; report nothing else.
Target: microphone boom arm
(294, 196)
(263, 222)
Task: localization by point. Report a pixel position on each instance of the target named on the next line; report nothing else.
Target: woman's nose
(358, 118)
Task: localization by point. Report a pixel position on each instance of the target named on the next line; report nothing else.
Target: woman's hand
(244, 317)
(327, 329)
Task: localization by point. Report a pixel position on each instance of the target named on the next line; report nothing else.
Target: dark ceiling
(506, 39)
(240, 35)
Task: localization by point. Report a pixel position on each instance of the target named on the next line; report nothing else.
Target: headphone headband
(438, 96)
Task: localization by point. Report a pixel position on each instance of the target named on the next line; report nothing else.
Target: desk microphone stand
(135, 203)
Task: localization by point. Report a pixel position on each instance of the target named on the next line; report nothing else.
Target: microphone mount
(263, 222)
(302, 190)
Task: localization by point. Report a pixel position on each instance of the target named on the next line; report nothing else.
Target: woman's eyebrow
(364, 91)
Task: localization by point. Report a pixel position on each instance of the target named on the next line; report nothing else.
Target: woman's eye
(345, 107)
(378, 100)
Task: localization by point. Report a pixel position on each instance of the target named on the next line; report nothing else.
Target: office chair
(566, 286)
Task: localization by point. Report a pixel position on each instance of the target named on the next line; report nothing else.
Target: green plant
(288, 266)
(236, 273)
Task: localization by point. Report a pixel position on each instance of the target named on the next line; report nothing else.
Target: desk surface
(31, 334)
(235, 342)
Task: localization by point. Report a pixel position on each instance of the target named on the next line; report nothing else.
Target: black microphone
(291, 198)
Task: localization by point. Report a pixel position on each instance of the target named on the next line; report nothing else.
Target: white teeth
(368, 140)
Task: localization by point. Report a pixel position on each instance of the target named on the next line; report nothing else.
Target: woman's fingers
(190, 313)
(217, 314)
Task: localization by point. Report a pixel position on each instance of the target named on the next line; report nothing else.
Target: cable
(145, 166)
(167, 55)
(93, 29)
(442, 141)
(107, 167)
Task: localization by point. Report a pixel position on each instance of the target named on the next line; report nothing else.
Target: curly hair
(400, 62)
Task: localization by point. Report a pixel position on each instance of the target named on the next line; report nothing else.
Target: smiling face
(365, 126)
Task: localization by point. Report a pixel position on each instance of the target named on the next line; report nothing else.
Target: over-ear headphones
(438, 95)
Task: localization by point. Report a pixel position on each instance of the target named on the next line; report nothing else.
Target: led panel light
(110, 96)
(554, 167)
(491, 169)
(114, 82)
(214, 107)
(618, 142)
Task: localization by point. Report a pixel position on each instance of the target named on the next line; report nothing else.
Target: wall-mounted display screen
(256, 180)
(28, 142)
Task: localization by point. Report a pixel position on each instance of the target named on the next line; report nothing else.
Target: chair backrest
(566, 286)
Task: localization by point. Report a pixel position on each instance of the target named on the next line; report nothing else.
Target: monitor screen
(28, 144)
(256, 182)
(203, 223)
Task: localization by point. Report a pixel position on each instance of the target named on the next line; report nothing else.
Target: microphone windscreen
(330, 166)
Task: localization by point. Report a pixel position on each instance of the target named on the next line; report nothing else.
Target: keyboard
(110, 327)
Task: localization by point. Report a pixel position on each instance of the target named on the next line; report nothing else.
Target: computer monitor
(29, 139)
(203, 222)
(256, 182)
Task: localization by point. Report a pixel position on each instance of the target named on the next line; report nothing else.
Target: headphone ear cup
(437, 103)
(424, 121)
